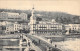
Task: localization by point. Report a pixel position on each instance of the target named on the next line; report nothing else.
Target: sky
(69, 6)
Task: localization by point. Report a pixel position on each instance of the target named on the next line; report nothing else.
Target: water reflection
(9, 42)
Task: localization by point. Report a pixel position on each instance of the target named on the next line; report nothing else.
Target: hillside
(60, 17)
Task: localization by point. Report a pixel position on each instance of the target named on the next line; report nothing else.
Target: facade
(44, 27)
(51, 29)
(9, 16)
(9, 28)
(3, 15)
(15, 27)
(72, 28)
(12, 28)
(4, 23)
(13, 16)
(2, 29)
(25, 26)
(23, 16)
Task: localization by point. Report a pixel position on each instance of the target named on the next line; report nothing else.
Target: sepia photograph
(39, 25)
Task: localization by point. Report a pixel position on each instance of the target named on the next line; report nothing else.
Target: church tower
(32, 21)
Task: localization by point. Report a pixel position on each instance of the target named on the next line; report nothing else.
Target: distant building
(13, 16)
(23, 16)
(2, 29)
(32, 21)
(10, 16)
(4, 23)
(72, 28)
(3, 15)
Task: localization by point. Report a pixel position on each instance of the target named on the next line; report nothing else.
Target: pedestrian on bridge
(29, 44)
(55, 45)
(49, 49)
(51, 41)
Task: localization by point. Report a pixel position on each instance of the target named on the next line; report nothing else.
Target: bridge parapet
(41, 41)
(10, 36)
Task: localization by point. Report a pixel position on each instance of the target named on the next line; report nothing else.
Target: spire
(32, 21)
(33, 6)
(33, 10)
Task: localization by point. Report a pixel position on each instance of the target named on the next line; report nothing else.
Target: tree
(38, 19)
(29, 15)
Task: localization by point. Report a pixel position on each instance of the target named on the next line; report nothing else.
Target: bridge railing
(42, 41)
(8, 36)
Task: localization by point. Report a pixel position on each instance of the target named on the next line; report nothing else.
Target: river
(70, 44)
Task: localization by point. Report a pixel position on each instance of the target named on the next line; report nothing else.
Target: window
(42, 27)
(53, 27)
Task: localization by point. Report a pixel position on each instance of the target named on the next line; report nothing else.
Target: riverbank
(68, 45)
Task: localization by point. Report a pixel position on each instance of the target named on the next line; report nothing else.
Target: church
(44, 27)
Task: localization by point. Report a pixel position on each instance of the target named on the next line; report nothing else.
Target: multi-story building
(47, 29)
(44, 27)
(3, 15)
(17, 27)
(72, 28)
(23, 16)
(4, 23)
(9, 16)
(13, 16)
(9, 28)
(13, 27)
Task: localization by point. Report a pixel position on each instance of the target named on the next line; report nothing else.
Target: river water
(70, 44)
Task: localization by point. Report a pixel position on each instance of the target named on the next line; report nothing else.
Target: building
(25, 26)
(52, 29)
(23, 16)
(44, 27)
(16, 27)
(32, 21)
(13, 28)
(10, 16)
(3, 15)
(13, 16)
(9, 29)
(72, 28)
(4, 23)
(2, 29)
